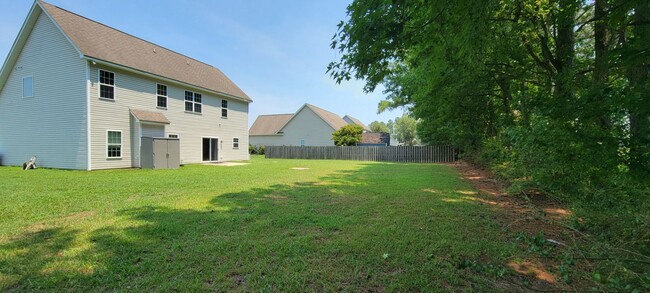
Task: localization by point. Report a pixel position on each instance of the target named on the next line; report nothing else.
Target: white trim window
(106, 85)
(224, 108)
(28, 87)
(192, 102)
(172, 135)
(235, 143)
(113, 144)
(161, 96)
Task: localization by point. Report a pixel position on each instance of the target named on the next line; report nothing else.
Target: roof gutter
(265, 134)
(133, 70)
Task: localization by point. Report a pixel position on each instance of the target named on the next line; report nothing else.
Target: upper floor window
(106, 85)
(224, 108)
(161, 93)
(28, 87)
(192, 102)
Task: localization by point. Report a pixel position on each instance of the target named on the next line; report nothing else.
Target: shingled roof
(149, 116)
(269, 124)
(332, 119)
(98, 41)
(355, 121)
(273, 124)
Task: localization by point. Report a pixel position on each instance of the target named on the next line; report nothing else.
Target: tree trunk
(640, 106)
(601, 59)
(565, 49)
(601, 64)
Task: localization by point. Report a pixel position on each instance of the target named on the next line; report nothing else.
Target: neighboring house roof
(269, 124)
(273, 124)
(356, 121)
(149, 116)
(96, 41)
(333, 120)
(375, 138)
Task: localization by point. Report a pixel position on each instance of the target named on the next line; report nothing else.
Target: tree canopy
(405, 130)
(379, 126)
(554, 83)
(348, 135)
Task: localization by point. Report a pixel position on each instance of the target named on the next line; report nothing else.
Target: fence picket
(405, 154)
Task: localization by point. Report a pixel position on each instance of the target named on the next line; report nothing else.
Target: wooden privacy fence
(404, 154)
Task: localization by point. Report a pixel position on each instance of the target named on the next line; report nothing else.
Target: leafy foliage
(348, 135)
(379, 126)
(551, 94)
(405, 128)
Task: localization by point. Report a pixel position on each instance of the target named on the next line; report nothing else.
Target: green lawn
(340, 225)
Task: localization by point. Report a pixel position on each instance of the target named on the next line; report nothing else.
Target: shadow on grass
(374, 229)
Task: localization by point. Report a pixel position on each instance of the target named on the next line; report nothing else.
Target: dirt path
(527, 216)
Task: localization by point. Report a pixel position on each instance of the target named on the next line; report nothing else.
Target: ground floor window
(235, 143)
(114, 144)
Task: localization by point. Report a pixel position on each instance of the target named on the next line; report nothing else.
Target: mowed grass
(336, 226)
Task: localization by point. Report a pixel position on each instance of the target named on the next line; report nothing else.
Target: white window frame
(224, 108)
(193, 101)
(121, 144)
(166, 96)
(99, 82)
(233, 143)
(173, 135)
(23, 86)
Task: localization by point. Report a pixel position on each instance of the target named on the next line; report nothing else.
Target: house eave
(266, 134)
(178, 82)
(19, 42)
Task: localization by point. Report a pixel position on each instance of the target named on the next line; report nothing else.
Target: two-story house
(80, 95)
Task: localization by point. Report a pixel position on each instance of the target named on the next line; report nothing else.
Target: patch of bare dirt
(62, 221)
(530, 213)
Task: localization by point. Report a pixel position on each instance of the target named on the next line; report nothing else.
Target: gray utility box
(160, 153)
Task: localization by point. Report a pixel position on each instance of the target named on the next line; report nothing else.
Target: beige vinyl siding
(265, 140)
(52, 124)
(139, 92)
(149, 130)
(309, 126)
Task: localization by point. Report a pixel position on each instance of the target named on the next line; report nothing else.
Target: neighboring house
(79, 95)
(375, 139)
(351, 120)
(309, 126)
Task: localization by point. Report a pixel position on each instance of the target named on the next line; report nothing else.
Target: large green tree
(557, 88)
(405, 130)
(348, 135)
(379, 126)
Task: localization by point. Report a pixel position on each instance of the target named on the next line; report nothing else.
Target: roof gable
(269, 124)
(355, 121)
(101, 42)
(328, 117)
(19, 43)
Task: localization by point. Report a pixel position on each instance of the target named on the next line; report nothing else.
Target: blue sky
(276, 51)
